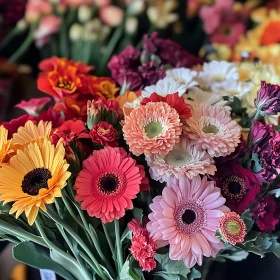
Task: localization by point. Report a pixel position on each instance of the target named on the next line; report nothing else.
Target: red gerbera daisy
(108, 182)
(174, 101)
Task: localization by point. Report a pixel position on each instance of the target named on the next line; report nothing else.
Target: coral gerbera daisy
(186, 217)
(5, 144)
(153, 128)
(108, 182)
(31, 132)
(232, 228)
(33, 177)
(183, 160)
(213, 130)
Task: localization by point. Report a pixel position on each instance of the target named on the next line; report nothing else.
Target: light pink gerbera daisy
(186, 217)
(213, 130)
(151, 129)
(183, 160)
(108, 182)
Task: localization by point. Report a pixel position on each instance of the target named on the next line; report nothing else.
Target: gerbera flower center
(210, 129)
(153, 129)
(234, 188)
(218, 78)
(233, 227)
(109, 183)
(190, 216)
(177, 158)
(62, 83)
(35, 180)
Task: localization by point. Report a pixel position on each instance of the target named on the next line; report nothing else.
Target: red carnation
(266, 213)
(143, 246)
(174, 101)
(104, 134)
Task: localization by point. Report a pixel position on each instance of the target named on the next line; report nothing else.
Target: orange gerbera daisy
(33, 177)
(5, 144)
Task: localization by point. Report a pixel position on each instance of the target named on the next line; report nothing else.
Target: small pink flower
(77, 3)
(102, 3)
(34, 106)
(36, 8)
(48, 25)
(111, 15)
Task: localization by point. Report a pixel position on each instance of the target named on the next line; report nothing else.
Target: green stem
(59, 221)
(108, 237)
(10, 36)
(16, 231)
(110, 48)
(52, 246)
(24, 46)
(73, 215)
(119, 245)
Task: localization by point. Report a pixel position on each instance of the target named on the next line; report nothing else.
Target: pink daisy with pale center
(186, 217)
(151, 129)
(213, 130)
(108, 182)
(184, 159)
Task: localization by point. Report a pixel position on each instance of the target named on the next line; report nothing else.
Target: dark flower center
(189, 216)
(109, 183)
(35, 180)
(234, 188)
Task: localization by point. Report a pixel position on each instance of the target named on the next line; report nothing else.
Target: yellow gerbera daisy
(31, 132)
(5, 144)
(33, 178)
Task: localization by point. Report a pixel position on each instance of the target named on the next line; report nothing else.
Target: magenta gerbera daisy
(213, 129)
(108, 182)
(184, 159)
(152, 128)
(186, 217)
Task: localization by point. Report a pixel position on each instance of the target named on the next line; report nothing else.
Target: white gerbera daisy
(233, 87)
(129, 106)
(164, 87)
(184, 76)
(215, 72)
(184, 160)
(197, 96)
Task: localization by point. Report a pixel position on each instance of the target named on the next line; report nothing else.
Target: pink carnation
(34, 106)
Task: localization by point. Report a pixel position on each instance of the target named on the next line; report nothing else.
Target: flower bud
(21, 25)
(84, 13)
(135, 8)
(76, 32)
(131, 25)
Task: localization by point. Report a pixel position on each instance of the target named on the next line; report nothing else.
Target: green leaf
(127, 234)
(172, 267)
(247, 219)
(276, 192)
(5, 208)
(275, 247)
(127, 272)
(65, 262)
(38, 257)
(256, 166)
(232, 253)
(195, 274)
(137, 213)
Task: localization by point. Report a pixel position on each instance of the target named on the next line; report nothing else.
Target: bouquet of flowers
(147, 180)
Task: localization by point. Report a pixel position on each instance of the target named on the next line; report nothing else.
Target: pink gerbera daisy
(213, 130)
(151, 129)
(108, 182)
(186, 217)
(184, 159)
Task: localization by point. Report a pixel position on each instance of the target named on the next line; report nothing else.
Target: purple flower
(169, 52)
(151, 73)
(268, 99)
(266, 145)
(266, 213)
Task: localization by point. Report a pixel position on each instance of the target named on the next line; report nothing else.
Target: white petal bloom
(164, 87)
(184, 76)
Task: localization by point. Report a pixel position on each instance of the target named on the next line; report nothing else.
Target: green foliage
(256, 163)
(231, 253)
(238, 110)
(39, 257)
(174, 270)
(128, 272)
(247, 219)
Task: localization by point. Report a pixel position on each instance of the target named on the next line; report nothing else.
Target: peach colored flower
(77, 3)
(213, 130)
(36, 8)
(111, 15)
(48, 25)
(153, 128)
